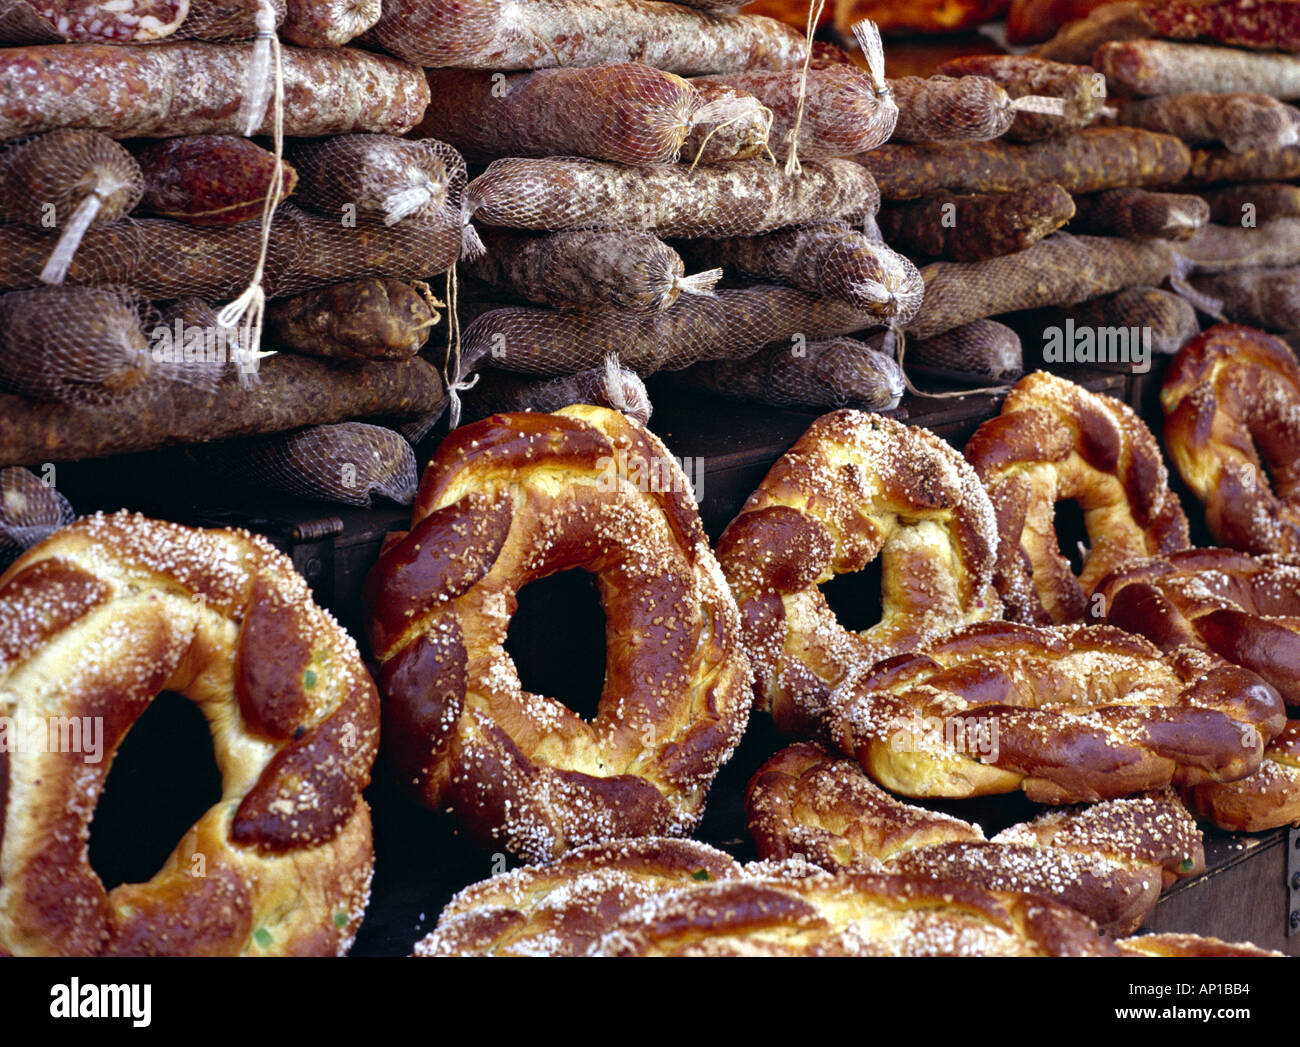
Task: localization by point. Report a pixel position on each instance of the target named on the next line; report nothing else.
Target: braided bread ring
(1269, 798)
(511, 499)
(1246, 610)
(855, 486)
(1108, 861)
(1074, 714)
(655, 895)
(851, 914)
(95, 622)
(1232, 420)
(563, 908)
(1055, 441)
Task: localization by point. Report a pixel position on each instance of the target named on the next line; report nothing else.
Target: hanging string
(895, 344)
(792, 166)
(247, 312)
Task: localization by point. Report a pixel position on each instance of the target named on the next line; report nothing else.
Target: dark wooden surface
(421, 858)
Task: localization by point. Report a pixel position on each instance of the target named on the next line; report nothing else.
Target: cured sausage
(183, 87)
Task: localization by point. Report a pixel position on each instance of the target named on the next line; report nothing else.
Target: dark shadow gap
(557, 640)
(163, 780)
(855, 598)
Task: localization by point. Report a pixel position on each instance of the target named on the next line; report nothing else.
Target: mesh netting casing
(733, 324)
(349, 463)
(839, 372)
(734, 199)
(30, 511)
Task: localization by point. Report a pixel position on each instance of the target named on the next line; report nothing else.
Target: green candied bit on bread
(263, 938)
(309, 679)
(340, 919)
(701, 874)
(1186, 865)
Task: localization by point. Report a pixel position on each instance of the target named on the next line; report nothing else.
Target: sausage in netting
(1167, 319)
(165, 260)
(980, 351)
(729, 125)
(183, 87)
(1094, 159)
(382, 176)
(1140, 213)
(730, 325)
(821, 375)
(218, 20)
(209, 179)
(328, 23)
(73, 344)
(69, 181)
(742, 198)
(1252, 202)
(1211, 166)
(372, 319)
(1239, 121)
(1267, 298)
(291, 391)
(1059, 270)
(845, 110)
(950, 108)
(983, 225)
(348, 463)
(1221, 248)
(825, 259)
(1159, 67)
(1080, 90)
(588, 268)
(628, 113)
(544, 34)
(607, 385)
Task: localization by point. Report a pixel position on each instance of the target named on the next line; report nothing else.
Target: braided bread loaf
(514, 498)
(94, 623)
(1055, 441)
(1067, 714)
(1232, 429)
(669, 897)
(855, 486)
(1245, 609)
(1108, 861)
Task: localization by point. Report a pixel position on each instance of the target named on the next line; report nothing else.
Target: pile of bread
(995, 668)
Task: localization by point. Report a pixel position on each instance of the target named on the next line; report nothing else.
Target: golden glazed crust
(94, 623)
(1056, 441)
(1245, 609)
(514, 498)
(855, 486)
(678, 897)
(1232, 428)
(1108, 861)
(1067, 714)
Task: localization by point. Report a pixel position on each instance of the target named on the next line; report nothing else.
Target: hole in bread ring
(94, 624)
(506, 501)
(855, 487)
(1055, 441)
(1232, 428)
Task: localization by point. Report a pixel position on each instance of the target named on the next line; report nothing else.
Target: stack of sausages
(629, 154)
(1220, 75)
(159, 159)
